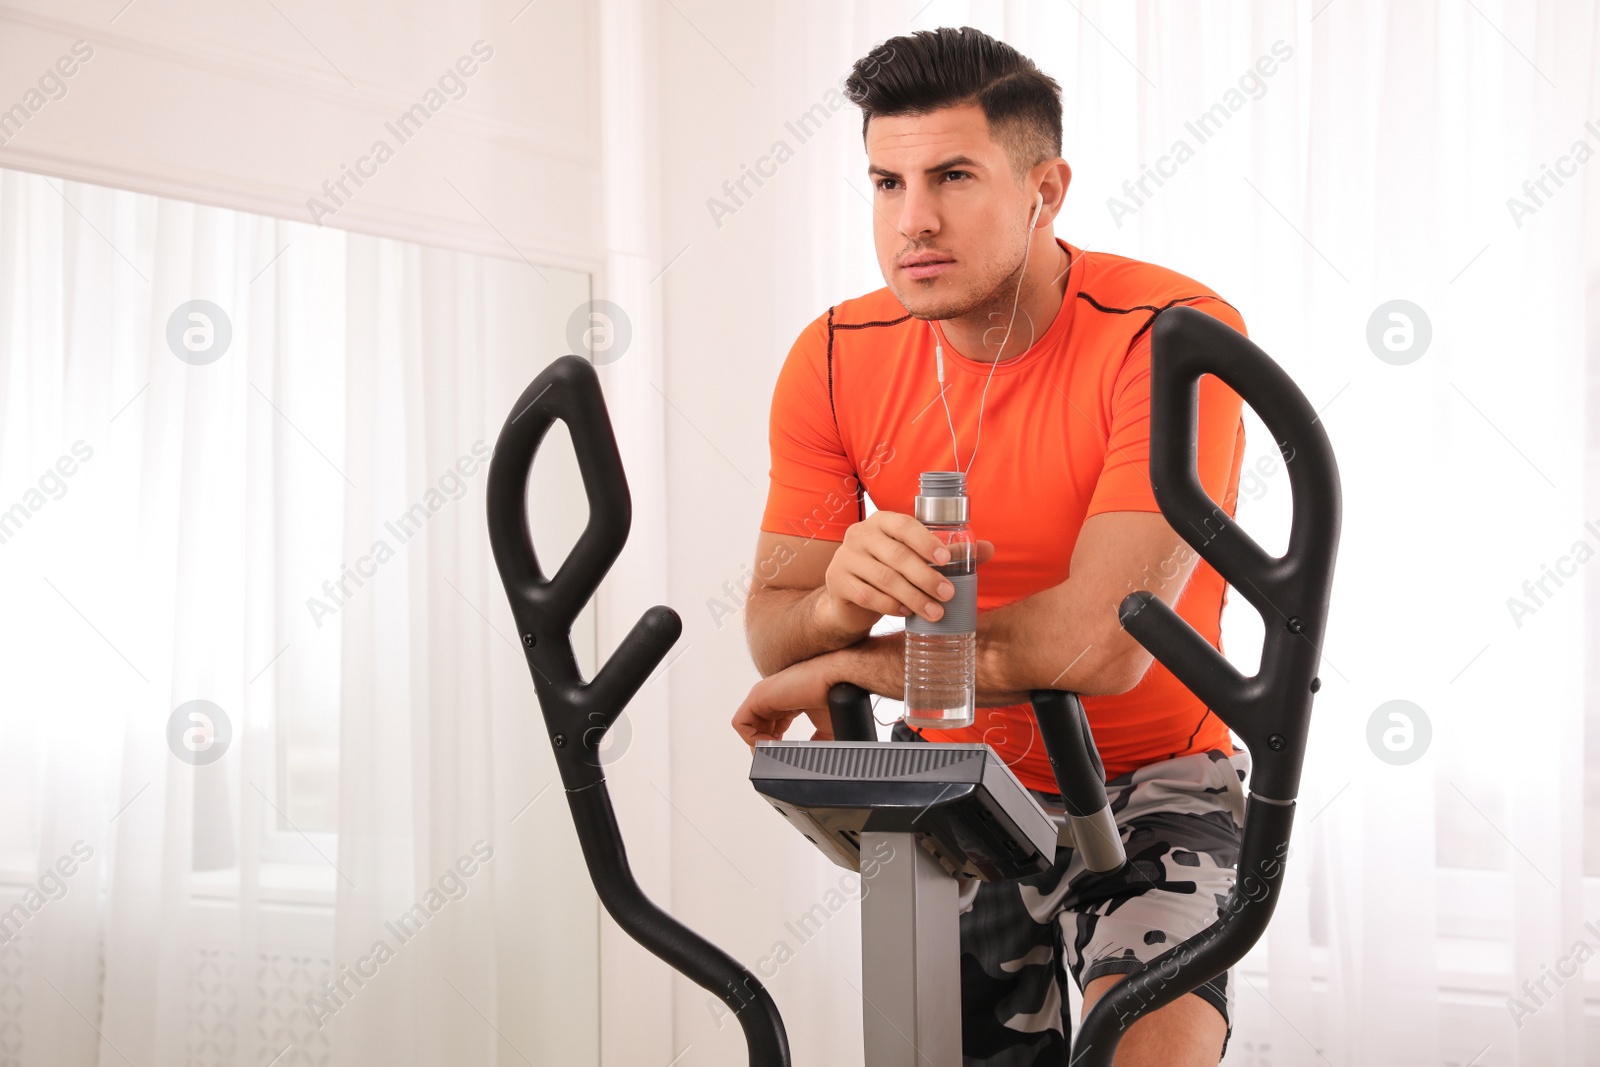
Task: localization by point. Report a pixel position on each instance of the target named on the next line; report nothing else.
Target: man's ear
(1054, 179)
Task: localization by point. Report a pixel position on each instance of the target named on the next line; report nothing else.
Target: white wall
(725, 95)
(254, 106)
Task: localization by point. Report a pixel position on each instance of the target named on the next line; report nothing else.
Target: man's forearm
(1048, 641)
(1044, 641)
(1069, 636)
(1031, 644)
(878, 665)
(785, 626)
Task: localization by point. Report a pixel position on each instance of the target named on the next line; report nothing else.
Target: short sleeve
(1124, 483)
(812, 490)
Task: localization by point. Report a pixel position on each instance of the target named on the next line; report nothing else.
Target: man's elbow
(754, 631)
(1121, 673)
(1092, 676)
(764, 633)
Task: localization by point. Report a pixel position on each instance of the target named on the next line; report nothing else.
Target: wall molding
(260, 198)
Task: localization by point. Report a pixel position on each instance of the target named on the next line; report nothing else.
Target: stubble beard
(996, 300)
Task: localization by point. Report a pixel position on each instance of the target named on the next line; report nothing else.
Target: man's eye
(883, 184)
(951, 173)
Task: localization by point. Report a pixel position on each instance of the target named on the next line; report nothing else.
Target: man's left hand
(777, 700)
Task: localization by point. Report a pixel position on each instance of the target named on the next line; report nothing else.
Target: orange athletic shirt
(1066, 435)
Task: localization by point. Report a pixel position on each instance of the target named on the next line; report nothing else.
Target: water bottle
(941, 656)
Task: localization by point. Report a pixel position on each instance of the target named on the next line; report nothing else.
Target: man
(1046, 348)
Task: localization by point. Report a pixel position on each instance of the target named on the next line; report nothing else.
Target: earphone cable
(983, 400)
(1015, 300)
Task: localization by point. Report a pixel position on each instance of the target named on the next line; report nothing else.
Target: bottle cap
(942, 497)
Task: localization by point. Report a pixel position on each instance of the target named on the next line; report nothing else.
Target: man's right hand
(885, 567)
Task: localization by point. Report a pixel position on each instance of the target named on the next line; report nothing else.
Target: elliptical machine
(950, 809)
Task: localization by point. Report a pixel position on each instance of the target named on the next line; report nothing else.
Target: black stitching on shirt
(1154, 311)
(861, 498)
(864, 325)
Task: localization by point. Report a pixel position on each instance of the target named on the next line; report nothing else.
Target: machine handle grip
(1080, 776)
(850, 709)
(568, 390)
(1171, 640)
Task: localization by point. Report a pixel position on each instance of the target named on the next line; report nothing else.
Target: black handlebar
(850, 711)
(578, 713)
(1270, 711)
(1070, 746)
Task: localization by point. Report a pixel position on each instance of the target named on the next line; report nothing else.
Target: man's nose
(919, 214)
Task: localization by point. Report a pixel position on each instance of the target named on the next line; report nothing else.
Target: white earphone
(938, 346)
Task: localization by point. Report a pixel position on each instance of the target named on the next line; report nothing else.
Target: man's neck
(978, 336)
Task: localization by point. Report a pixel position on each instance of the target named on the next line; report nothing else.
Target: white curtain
(1363, 153)
(294, 532)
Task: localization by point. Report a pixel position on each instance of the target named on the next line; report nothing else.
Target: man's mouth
(926, 265)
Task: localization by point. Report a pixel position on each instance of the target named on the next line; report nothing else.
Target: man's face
(944, 196)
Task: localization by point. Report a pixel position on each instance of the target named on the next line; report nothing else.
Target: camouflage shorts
(1180, 822)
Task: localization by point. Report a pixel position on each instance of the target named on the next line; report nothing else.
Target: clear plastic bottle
(941, 656)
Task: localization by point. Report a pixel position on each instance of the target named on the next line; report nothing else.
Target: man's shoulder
(1123, 285)
(861, 317)
(814, 359)
(879, 308)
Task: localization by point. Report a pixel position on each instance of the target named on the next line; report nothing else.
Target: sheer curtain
(1356, 153)
(276, 508)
